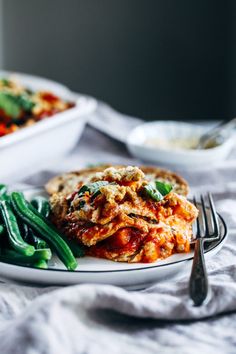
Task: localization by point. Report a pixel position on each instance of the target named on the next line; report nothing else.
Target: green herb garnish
(163, 187)
(158, 191)
(9, 105)
(24, 101)
(13, 105)
(92, 188)
(5, 82)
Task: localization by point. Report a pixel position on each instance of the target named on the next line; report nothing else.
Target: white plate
(61, 131)
(102, 271)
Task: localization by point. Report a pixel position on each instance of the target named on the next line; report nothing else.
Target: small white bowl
(169, 130)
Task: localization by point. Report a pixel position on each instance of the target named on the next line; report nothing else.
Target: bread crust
(66, 183)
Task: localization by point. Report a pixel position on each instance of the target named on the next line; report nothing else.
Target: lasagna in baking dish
(122, 215)
(20, 107)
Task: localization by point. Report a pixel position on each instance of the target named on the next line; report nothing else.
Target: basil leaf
(153, 192)
(163, 188)
(82, 190)
(5, 82)
(92, 188)
(12, 105)
(24, 101)
(158, 191)
(9, 105)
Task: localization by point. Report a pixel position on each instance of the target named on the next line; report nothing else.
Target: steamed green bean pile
(26, 235)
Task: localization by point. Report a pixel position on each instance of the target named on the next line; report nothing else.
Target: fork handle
(198, 284)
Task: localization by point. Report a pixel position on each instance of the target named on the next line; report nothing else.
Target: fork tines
(207, 225)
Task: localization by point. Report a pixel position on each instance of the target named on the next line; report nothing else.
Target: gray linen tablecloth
(98, 318)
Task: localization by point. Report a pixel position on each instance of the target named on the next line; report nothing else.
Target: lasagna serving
(21, 107)
(122, 215)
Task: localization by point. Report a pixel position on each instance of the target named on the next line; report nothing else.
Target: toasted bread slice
(68, 182)
(180, 185)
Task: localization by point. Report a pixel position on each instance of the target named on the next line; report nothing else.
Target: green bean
(3, 192)
(43, 254)
(42, 264)
(42, 205)
(5, 197)
(30, 237)
(3, 189)
(1, 229)
(13, 231)
(36, 241)
(37, 223)
(77, 250)
(38, 259)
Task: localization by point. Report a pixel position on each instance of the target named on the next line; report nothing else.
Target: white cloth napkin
(101, 318)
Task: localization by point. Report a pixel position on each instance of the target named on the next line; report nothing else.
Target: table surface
(147, 335)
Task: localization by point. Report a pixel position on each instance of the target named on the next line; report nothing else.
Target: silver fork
(198, 284)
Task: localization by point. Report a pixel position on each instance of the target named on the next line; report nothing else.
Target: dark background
(149, 58)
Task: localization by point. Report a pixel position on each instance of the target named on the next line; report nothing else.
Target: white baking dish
(32, 148)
